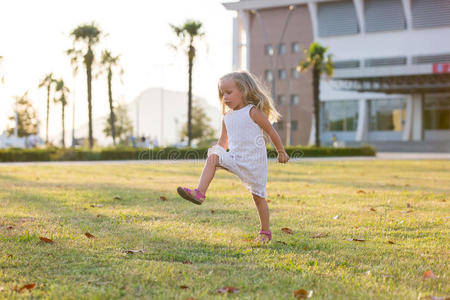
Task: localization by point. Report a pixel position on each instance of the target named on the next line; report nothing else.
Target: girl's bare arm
(223, 140)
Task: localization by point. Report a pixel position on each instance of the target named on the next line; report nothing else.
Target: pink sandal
(266, 233)
(188, 194)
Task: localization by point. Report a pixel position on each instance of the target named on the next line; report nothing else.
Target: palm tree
(88, 35)
(61, 97)
(48, 83)
(108, 63)
(315, 59)
(190, 30)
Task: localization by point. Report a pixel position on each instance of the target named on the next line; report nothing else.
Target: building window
(282, 74)
(268, 50)
(295, 47)
(294, 125)
(280, 99)
(294, 99)
(268, 75)
(281, 48)
(295, 73)
(437, 112)
(340, 115)
(279, 125)
(387, 114)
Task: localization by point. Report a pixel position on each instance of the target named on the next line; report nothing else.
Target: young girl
(247, 111)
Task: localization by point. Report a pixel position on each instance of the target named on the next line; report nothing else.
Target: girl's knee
(258, 200)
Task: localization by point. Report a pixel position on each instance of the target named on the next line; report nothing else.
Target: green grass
(55, 202)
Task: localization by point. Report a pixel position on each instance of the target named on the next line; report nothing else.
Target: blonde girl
(248, 111)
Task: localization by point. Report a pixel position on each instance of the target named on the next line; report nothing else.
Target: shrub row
(170, 153)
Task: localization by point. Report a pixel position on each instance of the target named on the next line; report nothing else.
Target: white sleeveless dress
(247, 157)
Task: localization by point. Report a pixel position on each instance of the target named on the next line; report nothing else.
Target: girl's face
(232, 96)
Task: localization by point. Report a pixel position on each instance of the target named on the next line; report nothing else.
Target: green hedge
(170, 153)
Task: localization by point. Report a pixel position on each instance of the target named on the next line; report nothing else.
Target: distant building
(391, 86)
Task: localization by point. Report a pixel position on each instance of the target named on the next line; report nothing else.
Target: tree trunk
(89, 57)
(111, 110)
(63, 141)
(191, 55)
(48, 111)
(316, 80)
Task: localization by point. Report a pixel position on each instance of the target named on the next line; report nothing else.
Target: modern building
(391, 85)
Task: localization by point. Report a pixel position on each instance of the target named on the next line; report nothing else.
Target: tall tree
(122, 124)
(319, 64)
(86, 37)
(188, 33)
(25, 117)
(61, 97)
(108, 63)
(48, 82)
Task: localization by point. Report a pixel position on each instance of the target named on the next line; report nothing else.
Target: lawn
(360, 230)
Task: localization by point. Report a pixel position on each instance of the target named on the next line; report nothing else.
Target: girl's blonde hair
(253, 92)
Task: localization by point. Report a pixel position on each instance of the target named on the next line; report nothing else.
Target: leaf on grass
(117, 198)
(361, 192)
(98, 216)
(373, 209)
(429, 274)
(213, 211)
(190, 298)
(184, 287)
(163, 198)
(228, 289)
(281, 242)
(320, 235)
(9, 256)
(89, 236)
(187, 262)
(302, 294)
(268, 200)
(9, 227)
(355, 240)
(29, 287)
(135, 251)
(336, 217)
(286, 230)
(443, 200)
(46, 240)
(391, 242)
(408, 205)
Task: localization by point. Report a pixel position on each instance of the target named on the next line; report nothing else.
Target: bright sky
(35, 34)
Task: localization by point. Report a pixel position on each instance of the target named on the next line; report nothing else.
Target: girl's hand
(283, 157)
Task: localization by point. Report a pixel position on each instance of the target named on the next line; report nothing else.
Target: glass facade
(340, 115)
(436, 112)
(387, 114)
(280, 99)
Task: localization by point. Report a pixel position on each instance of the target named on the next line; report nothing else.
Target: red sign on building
(441, 68)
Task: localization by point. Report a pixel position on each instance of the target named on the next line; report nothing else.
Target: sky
(34, 36)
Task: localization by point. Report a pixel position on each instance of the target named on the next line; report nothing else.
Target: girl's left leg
(263, 212)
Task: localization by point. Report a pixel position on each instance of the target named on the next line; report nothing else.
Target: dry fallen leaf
(89, 236)
(391, 242)
(184, 287)
(281, 242)
(117, 198)
(320, 235)
(361, 192)
(29, 287)
(46, 240)
(302, 294)
(190, 298)
(162, 198)
(408, 205)
(9, 256)
(286, 230)
(9, 227)
(268, 200)
(355, 240)
(373, 209)
(213, 211)
(187, 262)
(228, 289)
(134, 251)
(429, 274)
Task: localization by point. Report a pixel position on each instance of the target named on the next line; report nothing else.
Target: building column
(312, 7)
(312, 131)
(408, 15)
(237, 45)
(359, 7)
(407, 130)
(363, 121)
(417, 127)
(245, 22)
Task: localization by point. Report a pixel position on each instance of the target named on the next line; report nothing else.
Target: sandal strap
(268, 233)
(198, 194)
(202, 196)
